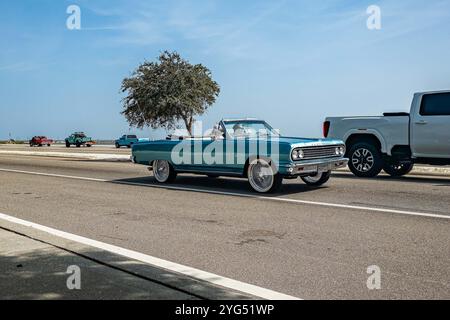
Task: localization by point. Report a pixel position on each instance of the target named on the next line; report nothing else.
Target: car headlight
(297, 154)
(300, 153)
(340, 151)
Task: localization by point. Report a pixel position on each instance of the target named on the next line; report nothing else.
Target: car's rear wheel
(365, 160)
(48, 144)
(397, 169)
(78, 144)
(163, 171)
(263, 177)
(317, 180)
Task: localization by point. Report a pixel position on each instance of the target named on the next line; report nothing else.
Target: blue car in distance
(127, 140)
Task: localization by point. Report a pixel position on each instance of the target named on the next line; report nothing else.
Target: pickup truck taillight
(326, 128)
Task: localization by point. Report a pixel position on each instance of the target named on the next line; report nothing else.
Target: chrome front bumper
(315, 166)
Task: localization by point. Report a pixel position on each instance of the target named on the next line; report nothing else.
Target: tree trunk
(189, 122)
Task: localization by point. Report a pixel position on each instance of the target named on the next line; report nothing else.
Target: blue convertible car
(246, 148)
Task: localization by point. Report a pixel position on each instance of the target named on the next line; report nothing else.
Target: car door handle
(421, 122)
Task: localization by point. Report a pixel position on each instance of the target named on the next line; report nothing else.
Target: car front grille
(319, 152)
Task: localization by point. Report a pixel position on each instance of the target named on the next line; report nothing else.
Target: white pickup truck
(395, 141)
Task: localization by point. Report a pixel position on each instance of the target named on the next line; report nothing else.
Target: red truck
(40, 141)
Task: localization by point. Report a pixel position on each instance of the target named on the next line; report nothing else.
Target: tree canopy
(161, 94)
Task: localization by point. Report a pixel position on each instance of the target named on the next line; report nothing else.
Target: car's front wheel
(263, 177)
(163, 171)
(67, 144)
(117, 145)
(318, 179)
(365, 160)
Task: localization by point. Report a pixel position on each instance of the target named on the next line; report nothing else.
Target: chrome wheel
(260, 175)
(312, 179)
(318, 179)
(161, 170)
(363, 160)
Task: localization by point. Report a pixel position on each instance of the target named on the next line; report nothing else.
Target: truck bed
(391, 130)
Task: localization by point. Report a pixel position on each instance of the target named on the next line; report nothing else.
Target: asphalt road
(306, 242)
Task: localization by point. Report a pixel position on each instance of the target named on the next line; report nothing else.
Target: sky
(289, 62)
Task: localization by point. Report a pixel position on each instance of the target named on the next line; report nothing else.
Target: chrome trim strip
(315, 162)
(308, 167)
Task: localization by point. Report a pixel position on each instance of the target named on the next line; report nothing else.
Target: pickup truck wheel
(262, 177)
(397, 169)
(67, 144)
(163, 171)
(317, 180)
(365, 160)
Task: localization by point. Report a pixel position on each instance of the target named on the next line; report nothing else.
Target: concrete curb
(174, 281)
(88, 156)
(437, 171)
(421, 171)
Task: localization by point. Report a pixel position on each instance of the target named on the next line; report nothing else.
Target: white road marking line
(85, 155)
(53, 175)
(168, 265)
(253, 196)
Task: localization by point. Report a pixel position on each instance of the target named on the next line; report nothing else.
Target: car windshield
(249, 128)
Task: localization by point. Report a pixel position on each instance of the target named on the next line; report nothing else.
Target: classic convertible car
(246, 148)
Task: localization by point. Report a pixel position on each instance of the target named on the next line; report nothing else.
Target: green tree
(161, 94)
